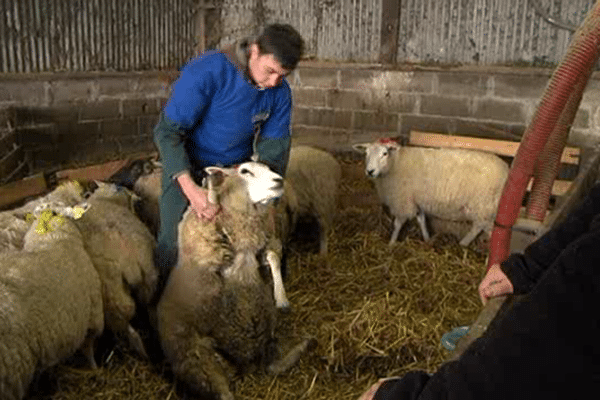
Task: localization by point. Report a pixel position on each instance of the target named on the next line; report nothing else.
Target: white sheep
(146, 176)
(314, 177)
(51, 303)
(217, 312)
(12, 222)
(12, 231)
(121, 248)
(244, 223)
(453, 184)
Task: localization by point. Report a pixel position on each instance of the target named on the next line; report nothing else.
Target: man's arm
(525, 269)
(273, 144)
(170, 139)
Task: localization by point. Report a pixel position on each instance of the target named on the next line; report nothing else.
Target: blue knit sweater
(220, 111)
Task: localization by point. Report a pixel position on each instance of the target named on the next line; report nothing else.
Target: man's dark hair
(284, 42)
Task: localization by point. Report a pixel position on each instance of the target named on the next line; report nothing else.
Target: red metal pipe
(581, 55)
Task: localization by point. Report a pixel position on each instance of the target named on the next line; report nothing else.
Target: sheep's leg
(323, 242)
(398, 222)
(135, 341)
(292, 357)
(200, 367)
(423, 225)
(472, 234)
(278, 290)
(87, 349)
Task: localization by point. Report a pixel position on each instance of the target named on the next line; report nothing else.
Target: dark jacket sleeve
(274, 140)
(275, 153)
(525, 269)
(170, 138)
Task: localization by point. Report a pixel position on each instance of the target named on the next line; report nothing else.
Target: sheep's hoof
(285, 308)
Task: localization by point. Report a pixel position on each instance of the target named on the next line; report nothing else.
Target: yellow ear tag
(42, 227)
(46, 215)
(78, 212)
(29, 218)
(78, 186)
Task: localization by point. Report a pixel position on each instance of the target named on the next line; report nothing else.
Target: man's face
(266, 71)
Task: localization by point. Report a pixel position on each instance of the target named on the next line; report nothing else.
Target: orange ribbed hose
(581, 55)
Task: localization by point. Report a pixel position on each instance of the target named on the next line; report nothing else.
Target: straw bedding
(375, 310)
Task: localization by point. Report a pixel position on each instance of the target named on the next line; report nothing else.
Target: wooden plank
(13, 192)
(570, 155)
(559, 188)
(94, 172)
(101, 172)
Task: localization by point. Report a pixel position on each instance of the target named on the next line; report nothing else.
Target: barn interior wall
(54, 121)
(64, 121)
(340, 104)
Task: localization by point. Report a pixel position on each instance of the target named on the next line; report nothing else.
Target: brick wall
(340, 104)
(71, 120)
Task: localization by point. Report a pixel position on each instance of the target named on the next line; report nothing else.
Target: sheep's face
(261, 183)
(377, 157)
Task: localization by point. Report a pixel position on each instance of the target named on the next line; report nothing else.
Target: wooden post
(200, 24)
(390, 24)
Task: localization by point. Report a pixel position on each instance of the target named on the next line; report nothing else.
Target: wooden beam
(13, 192)
(501, 147)
(390, 24)
(559, 188)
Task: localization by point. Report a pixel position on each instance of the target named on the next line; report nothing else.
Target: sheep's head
(377, 156)
(261, 184)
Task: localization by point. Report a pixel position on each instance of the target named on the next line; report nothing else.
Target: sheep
(51, 302)
(12, 222)
(244, 221)
(314, 177)
(144, 178)
(453, 184)
(68, 193)
(217, 312)
(121, 248)
(12, 231)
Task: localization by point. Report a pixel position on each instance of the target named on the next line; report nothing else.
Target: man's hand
(198, 197)
(495, 283)
(370, 393)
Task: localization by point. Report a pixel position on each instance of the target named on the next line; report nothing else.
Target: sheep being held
(51, 302)
(453, 184)
(217, 312)
(121, 248)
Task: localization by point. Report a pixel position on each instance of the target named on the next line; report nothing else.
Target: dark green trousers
(173, 204)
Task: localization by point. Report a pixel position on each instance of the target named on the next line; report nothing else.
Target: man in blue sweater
(224, 107)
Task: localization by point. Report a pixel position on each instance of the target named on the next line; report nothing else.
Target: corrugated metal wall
(486, 31)
(346, 30)
(126, 35)
(90, 35)
(440, 31)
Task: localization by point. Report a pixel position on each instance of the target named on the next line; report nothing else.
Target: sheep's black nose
(370, 172)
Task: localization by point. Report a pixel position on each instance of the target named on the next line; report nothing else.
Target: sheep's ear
(214, 170)
(360, 147)
(156, 164)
